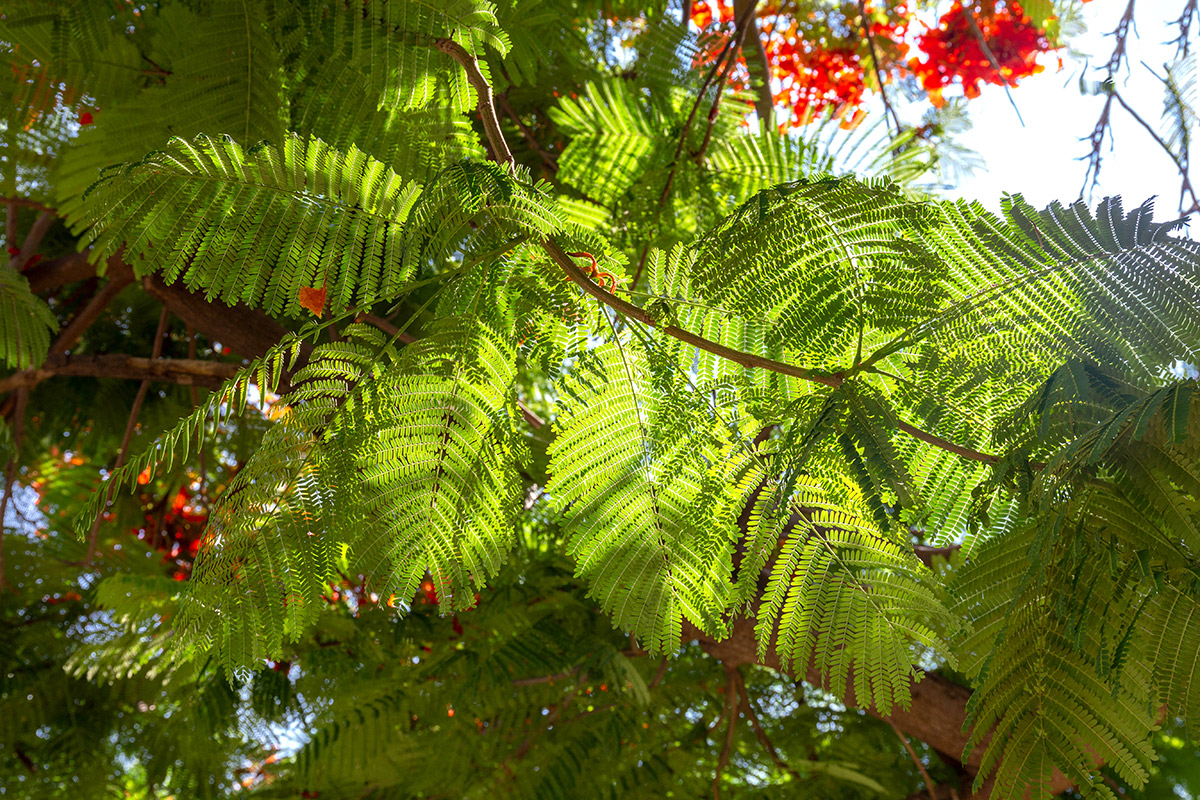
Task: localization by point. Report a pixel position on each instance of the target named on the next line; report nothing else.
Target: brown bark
(184, 371)
(238, 328)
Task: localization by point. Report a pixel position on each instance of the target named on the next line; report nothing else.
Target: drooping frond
(1058, 686)
(393, 44)
(174, 446)
(614, 137)
(26, 322)
(216, 71)
(437, 463)
(831, 260)
(1110, 287)
(752, 162)
(1181, 104)
(338, 106)
(844, 598)
(255, 226)
(267, 557)
(636, 474)
(540, 42)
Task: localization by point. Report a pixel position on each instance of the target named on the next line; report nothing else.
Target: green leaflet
(614, 138)
(644, 511)
(1057, 687)
(391, 45)
(847, 603)
(26, 322)
(829, 260)
(258, 225)
(435, 465)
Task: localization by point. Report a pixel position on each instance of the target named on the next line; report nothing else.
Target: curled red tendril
(595, 273)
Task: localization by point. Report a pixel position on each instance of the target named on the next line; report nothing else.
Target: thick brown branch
(240, 329)
(27, 203)
(49, 275)
(118, 280)
(183, 371)
(487, 109)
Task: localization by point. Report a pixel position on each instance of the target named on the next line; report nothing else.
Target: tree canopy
(562, 398)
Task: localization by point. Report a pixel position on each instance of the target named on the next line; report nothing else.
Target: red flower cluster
(954, 51)
(175, 530)
(817, 63)
(823, 61)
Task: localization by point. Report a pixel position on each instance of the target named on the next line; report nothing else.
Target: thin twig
(658, 676)
(987, 51)
(550, 161)
(10, 470)
(709, 79)
(731, 705)
(90, 313)
(1184, 22)
(764, 102)
(870, 37)
(1183, 171)
(739, 37)
(194, 393)
(763, 739)
(1096, 139)
(916, 760)
(134, 411)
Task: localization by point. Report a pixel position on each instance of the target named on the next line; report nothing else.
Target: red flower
(85, 118)
(954, 52)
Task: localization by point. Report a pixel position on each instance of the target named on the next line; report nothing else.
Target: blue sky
(1040, 160)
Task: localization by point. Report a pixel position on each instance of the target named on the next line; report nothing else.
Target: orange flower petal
(312, 299)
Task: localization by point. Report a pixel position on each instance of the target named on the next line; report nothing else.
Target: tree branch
(764, 102)
(916, 760)
(91, 312)
(709, 78)
(745, 21)
(10, 470)
(870, 37)
(27, 203)
(577, 276)
(487, 110)
(1096, 139)
(1186, 187)
(183, 371)
(134, 411)
(731, 706)
(763, 739)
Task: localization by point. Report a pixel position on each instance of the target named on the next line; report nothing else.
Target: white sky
(1041, 160)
